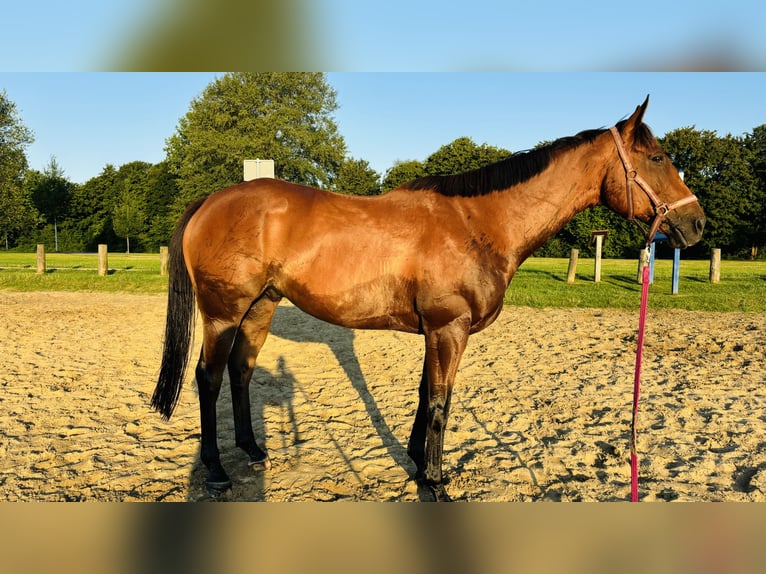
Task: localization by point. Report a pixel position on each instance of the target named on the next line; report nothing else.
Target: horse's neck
(537, 209)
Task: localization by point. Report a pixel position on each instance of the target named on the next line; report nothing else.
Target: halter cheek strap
(661, 208)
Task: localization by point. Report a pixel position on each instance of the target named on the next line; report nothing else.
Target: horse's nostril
(699, 224)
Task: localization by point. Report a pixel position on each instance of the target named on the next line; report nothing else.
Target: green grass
(539, 282)
(542, 282)
(134, 273)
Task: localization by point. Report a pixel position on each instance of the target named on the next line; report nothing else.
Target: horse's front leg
(444, 349)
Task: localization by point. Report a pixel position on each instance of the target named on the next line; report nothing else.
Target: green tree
(624, 239)
(402, 172)
(52, 194)
(92, 208)
(356, 177)
(286, 117)
(129, 218)
(17, 212)
(161, 195)
(462, 155)
(718, 170)
(16, 208)
(755, 142)
(98, 203)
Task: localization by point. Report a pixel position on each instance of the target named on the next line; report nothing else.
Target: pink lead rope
(661, 209)
(637, 385)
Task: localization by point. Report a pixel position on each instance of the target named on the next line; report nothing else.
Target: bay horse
(433, 256)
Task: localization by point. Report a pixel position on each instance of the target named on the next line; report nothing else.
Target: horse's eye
(658, 159)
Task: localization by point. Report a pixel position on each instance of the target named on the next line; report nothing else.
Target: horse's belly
(380, 303)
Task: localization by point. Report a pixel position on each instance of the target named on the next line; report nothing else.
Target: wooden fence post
(715, 265)
(597, 236)
(41, 266)
(103, 263)
(597, 262)
(163, 260)
(572, 270)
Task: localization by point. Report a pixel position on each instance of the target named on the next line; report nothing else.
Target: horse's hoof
(440, 493)
(263, 464)
(216, 489)
(432, 492)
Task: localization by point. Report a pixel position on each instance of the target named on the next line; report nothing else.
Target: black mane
(510, 171)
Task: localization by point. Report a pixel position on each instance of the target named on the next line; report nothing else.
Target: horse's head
(642, 183)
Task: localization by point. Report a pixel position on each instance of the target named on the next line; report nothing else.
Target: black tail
(179, 324)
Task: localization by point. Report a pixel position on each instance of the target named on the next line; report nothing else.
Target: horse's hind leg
(247, 344)
(209, 375)
(416, 447)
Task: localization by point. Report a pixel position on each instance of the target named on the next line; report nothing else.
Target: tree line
(288, 117)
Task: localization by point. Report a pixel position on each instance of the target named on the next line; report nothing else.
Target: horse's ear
(634, 121)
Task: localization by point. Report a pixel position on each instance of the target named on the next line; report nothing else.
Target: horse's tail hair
(179, 322)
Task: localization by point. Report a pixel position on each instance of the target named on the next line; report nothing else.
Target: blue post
(677, 255)
(658, 238)
(676, 268)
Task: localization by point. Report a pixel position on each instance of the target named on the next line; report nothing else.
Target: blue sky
(597, 35)
(89, 120)
(427, 35)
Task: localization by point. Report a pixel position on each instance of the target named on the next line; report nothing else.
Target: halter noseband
(661, 208)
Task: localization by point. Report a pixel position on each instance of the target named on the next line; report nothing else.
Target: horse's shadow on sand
(292, 324)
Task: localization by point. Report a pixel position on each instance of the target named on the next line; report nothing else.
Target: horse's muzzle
(686, 232)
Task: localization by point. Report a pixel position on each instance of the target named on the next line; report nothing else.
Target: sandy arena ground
(541, 408)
